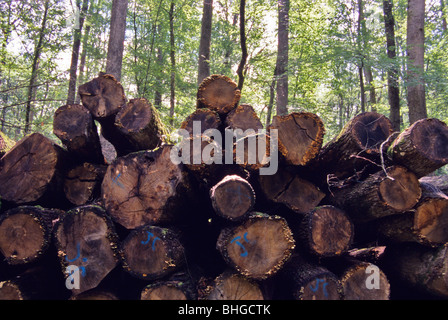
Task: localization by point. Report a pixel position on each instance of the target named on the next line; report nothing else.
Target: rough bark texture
(204, 45)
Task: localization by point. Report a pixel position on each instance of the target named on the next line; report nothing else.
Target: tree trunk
(34, 69)
(241, 67)
(282, 57)
(300, 136)
(416, 56)
(116, 38)
(152, 252)
(422, 147)
(258, 247)
(85, 237)
(173, 64)
(393, 90)
(218, 93)
(74, 126)
(145, 187)
(204, 45)
(75, 52)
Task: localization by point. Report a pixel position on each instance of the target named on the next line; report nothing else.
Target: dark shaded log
(179, 286)
(145, 187)
(231, 285)
(85, 237)
(300, 136)
(32, 171)
(25, 233)
(95, 294)
(10, 291)
(83, 183)
(232, 198)
(258, 247)
(102, 96)
(5, 144)
(393, 191)
(353, 149)
(151, 252)
(326, 231)
(422, 268)
(426, 224)
(204, 118)
(439, 181)
(361, 280)
(136, 126)
(243, 117)
(218, 93)
(288, 188)
(307, 280)
(422, 147)
(74, 126)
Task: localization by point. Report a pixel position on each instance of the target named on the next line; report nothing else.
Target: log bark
(243, 117)
(231, 285)
(145, 187)
(354, 149)
(393, 191)
(258, 247)
(326, 231)
(102, 96)
(232, 198)
(82, 184)
(422, 147)
(32, 171)
(136, 126)
(74, 126)
(151, 252)
(300, 136)
(307, 280)
(85, 237)
(25, 233)
(288, 188)
(426, 224)
(218, 93)
(439, 181)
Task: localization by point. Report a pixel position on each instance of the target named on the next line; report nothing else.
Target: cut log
(361, 280)
(354, 149)
(300, 136)
(244, 118)
(218, 93)
(136, 126)
(420, 267)
(326, 231)
(85, 238)
(231, 285)
(258, 247)
(306, 280)
(25, 233)
(5, 144)
(95, 295)
(82, 184)
(179, 286)
(426, 224)
(74, 126)
(288, 188)
(393, 191)
(102, 96)
(32, 171)
(152, 252)
(439, 181)
(422, 148)
(232, 198)
(145, 187)
(201, 120)
(10, 291)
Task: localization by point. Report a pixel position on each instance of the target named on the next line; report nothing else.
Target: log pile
(355, 218)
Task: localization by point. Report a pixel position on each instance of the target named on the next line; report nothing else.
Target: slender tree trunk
(372, 93)
(243, 44)
(158, 93)
(204, 46)
(442, 9)
(34, 68)
(116, 38)
(282, 57)
(271, 98)
(82, 63)
(416, 54)
(173, 64)
(360, 40)
(75, 52)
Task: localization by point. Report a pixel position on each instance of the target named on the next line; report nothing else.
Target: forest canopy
(335, 58)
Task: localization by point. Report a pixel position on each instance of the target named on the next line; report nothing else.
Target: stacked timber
(232, 211)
